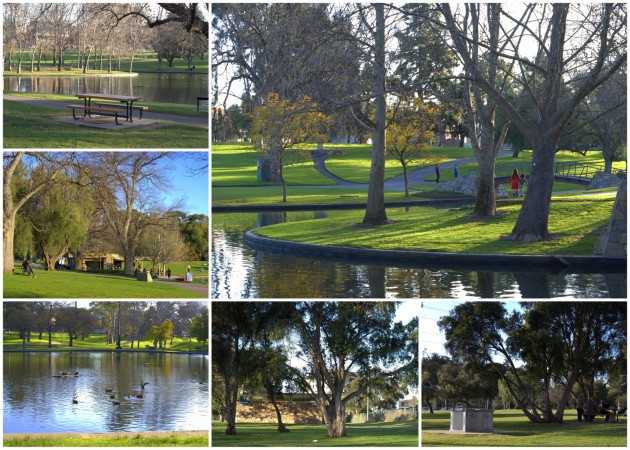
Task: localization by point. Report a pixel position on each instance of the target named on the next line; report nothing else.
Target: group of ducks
(112, 394)
(66, 374)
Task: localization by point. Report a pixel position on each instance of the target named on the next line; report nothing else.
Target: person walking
(168, 273)
(455, 171)
(437, 173)
(514, 183)
(580, 407)
(522, 181)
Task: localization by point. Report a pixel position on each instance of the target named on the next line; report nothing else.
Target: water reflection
(36, 402)
(241, 272)
(152, 87)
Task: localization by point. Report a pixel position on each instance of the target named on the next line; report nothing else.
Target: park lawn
(351, 162)
(32, 440)
(142, 62)
(523, 433)
(576, 222)
(12, 341)
(30, 126)
(70, 284)
(389, 434)
(234, 164)
(178, 269)
(233, 196)
(180, 109)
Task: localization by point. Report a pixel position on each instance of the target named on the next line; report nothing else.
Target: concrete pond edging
(521, 263)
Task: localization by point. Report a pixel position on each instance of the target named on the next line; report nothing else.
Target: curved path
(185, 120)
(416, 177)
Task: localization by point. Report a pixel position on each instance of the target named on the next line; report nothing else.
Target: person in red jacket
(514, 183)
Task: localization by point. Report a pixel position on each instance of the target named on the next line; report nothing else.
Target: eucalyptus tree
(556, 341)
(39, 171)
(560, 53)
(348, 346)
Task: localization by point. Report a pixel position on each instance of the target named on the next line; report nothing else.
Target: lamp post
(118, 347)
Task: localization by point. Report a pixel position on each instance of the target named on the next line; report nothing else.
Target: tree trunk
(8, 232)
(281, 426)
(375, 213)
(406, 180)
(429, 405)
(532, 222)
(71, 336)
(128, 263)
(39, 59)
(486, 204)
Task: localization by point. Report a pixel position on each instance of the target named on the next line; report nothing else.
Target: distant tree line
(160, 322)
(37, 34)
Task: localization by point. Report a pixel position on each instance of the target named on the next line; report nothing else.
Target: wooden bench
(200, 99)
(97, 110)
(121, 106)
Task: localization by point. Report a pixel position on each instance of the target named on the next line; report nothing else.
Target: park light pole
(118, 347)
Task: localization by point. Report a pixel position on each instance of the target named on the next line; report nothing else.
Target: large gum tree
(561, 53)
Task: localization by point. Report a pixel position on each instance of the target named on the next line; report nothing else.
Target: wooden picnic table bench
(89, 110)
(121, 106)
(110, 109)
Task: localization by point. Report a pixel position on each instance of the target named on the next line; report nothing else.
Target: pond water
(176, 397)
(152, 87)
(239, 271)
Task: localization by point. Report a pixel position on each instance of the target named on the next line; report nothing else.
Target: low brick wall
(292, 412)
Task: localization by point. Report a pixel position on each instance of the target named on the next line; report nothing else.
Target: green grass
(575, 220)
(235, 165)
(70, 284)
(134, 441)
(233, 196)
(353, 161)
(143, 62)
(390, 434)
(12, 341)
(29, 126)
(523, 433)
(180, 109)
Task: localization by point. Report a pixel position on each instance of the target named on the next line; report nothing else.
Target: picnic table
(124, 108)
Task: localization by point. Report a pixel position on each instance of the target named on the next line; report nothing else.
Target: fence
(392, 415)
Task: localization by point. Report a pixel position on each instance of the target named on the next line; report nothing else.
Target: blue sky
(194, 189)
(431, 338)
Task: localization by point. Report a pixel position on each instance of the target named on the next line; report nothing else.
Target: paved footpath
(198, 288)
(416, 177)
(185, 120)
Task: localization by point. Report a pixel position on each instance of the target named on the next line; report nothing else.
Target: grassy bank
(517, 431)
(60, 341)
(70, 284)
(30, 126)
(50, 72)
(576, 222)
(390, 434)
(133, 441)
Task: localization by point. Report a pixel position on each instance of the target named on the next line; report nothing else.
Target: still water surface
(238, 271)
(176, 397)
(152, 87)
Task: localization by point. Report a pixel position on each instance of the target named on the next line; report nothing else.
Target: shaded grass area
(232, 196)
(576, 221)
(523, 433)
(135, 441)
(180, 109)
(70, 284)
(29, 126)
(390, 434)
(235, 165)
(12, 341)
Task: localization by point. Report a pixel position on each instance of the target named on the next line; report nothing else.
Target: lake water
(152, 87)
(239, 271)
(176, 397)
